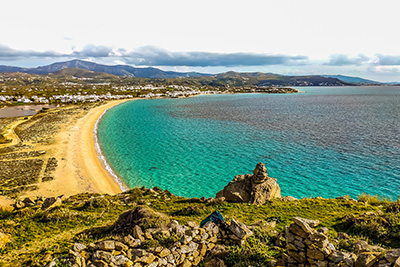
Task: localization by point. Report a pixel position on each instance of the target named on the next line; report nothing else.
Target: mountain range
(233, 78)
(119, 70)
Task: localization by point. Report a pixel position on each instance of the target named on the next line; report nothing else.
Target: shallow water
(21, 111)
(328, 141)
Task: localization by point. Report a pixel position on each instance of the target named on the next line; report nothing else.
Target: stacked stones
(307, 246)
(190, 250)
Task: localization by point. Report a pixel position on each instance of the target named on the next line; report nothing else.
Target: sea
(325, 141)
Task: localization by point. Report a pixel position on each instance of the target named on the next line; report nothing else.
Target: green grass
(39, 236)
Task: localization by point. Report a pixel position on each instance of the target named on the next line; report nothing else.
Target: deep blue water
(328, 141)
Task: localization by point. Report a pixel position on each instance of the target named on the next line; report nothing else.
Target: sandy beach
(80, 169)
(62, 136)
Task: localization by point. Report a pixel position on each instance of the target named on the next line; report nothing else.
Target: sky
(290, 37)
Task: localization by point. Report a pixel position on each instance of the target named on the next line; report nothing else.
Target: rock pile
(307, 246)
(133, 249)
(254, 188)
(43, 203)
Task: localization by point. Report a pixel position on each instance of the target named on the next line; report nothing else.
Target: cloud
(93, 51)
(152, 56)
(384, 60)
(344, 60)
(7, 53)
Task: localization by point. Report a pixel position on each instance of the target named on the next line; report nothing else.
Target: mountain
(352, 79)
(81, 73)
(119, 70)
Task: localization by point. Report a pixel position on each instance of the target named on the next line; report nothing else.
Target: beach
(81, 170)
(64, 135)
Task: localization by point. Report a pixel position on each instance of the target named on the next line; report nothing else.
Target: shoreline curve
(102, 157)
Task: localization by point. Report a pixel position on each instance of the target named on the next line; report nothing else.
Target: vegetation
(38, 236)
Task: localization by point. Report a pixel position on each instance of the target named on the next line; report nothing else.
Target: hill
(119, 70)
(352, 79)
(81, 73)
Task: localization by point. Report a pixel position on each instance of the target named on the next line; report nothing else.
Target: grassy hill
(37, 236)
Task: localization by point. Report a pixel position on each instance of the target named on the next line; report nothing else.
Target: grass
(39, 236)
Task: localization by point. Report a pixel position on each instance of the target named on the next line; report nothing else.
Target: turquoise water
(328, 141)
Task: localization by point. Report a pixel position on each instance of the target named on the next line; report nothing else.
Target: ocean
(327, 141)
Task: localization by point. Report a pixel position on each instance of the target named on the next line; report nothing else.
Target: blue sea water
(327, 141)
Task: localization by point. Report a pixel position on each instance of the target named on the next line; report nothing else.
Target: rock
(366, 259)
(340, 257)
(78, 247)
(219, 251)
(108, 245)
(361, 246)
(51, 202)
(392, 255)
(29, 202)
(302, 222)
(257, 188)
(289, 198)
(215, 263)
(138, 216)
(239, 230)
(397, 263)
(138, 233)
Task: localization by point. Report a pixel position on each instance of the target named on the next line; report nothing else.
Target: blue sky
(355, 38)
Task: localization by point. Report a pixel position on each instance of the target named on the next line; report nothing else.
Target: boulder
(142, 216)
(256, 188)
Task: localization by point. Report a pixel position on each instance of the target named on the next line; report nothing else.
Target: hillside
(352, 79)
(218, 80)
(39, 235)
(119, 70)
(81, 73)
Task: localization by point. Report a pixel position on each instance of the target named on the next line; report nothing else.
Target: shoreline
(100, 154)
(80, 168)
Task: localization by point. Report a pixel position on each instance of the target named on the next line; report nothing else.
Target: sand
(79, 168)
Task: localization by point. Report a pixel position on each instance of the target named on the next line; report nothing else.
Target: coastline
(81, 168)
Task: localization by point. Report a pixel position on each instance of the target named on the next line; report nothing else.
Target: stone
(50, 203)
(131, 241)
(342, 235)
(289, 198)
(78, 247)
(138, 233)
(136, 253)
(193, 224)
(215, 263)
(298, 231)
(219, 251)
(257, 188)
(108, 245)
(361, 246)
(186, 263)
(392, 255)
(137, 216)
(146, 259)
(305, 224)
(315, 254)
(164, 253)
(120, 246)
(397, 263)
(122, 260)
(366, 259)
(317, 240)
(239, 230)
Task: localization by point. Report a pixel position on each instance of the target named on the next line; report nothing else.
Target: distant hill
(81, 73)
(119, 70)
(268, 79)
(352, 79)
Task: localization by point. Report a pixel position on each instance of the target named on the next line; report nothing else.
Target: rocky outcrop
(142, 247)
(307, 246)
(256, 188)
(38, 202)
